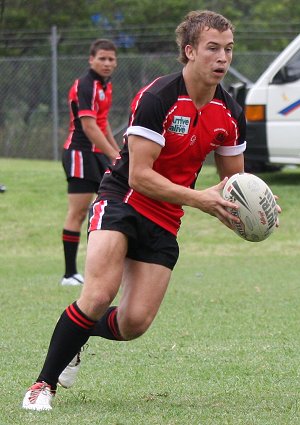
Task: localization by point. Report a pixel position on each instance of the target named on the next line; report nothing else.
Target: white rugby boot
(38, 397)
(68, 376)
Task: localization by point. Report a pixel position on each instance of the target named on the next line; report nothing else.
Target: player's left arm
(110, 136)
(229, 165)
(229, 157)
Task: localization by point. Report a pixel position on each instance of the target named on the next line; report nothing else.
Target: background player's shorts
(147, 241)
(76, 185)
(84, 170)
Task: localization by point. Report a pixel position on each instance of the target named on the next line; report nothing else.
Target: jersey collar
(103, 81)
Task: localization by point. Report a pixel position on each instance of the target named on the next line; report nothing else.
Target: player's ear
(190, 52)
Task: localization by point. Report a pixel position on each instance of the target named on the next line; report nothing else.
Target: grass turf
(224, 348)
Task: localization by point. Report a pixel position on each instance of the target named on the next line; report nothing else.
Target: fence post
(54, 91)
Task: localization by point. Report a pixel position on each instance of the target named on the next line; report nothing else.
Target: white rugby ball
(257, 206)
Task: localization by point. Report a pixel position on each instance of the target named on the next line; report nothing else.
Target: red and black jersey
(89, 96)
(164, 113)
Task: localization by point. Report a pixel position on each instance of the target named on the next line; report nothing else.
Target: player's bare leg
(143, 288)
(78, 206)
(102, 283)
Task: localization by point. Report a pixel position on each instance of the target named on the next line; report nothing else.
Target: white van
(272, 108)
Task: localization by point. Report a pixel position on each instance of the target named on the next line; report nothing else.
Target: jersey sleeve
(86, 98)
(147, 118)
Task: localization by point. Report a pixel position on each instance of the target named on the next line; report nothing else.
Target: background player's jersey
(164, 113)
(90, 96)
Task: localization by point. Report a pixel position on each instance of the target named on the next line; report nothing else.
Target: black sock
(71, 332)
(70, 242)
(107, 327)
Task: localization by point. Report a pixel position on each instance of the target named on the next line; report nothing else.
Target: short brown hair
(102, 44)
(188, 32)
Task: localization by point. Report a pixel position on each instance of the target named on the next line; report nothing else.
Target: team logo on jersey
(180, 125)
(101, 95)
(219, 137)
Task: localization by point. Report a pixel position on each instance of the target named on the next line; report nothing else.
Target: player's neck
(199, 92)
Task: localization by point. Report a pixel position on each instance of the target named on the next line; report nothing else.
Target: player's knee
(95, 303)
(81, 215)
(133, 326)
(76, 218)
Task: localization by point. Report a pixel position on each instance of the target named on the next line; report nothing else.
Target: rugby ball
(257, 206)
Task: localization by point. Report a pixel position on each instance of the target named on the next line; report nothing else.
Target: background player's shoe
(68, 376)
(74, 280)
(38, 397)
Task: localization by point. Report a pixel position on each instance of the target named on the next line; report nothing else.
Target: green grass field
(224, 348)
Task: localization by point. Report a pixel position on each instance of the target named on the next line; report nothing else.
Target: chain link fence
(34, 114)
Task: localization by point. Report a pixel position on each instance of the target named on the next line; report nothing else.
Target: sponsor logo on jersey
(101, 94)
(180, 125)
(193, 140)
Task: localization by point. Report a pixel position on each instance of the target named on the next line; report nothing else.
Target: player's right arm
(145, 180)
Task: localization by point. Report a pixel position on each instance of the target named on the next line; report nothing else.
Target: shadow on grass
(281, 178)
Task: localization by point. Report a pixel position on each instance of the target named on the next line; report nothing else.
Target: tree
(42, 14)
(142, 25)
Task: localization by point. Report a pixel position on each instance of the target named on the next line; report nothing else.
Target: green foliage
(150, 24)
(223, 350)
(41, 15)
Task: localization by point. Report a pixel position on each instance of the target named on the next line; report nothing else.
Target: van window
(293, 68)
(290, 72)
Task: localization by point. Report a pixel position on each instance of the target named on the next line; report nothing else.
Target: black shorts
(76, 185)
(84, 170)
(147, 241)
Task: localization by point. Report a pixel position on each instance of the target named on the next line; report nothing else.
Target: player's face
(213, 55)
(104, 62)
